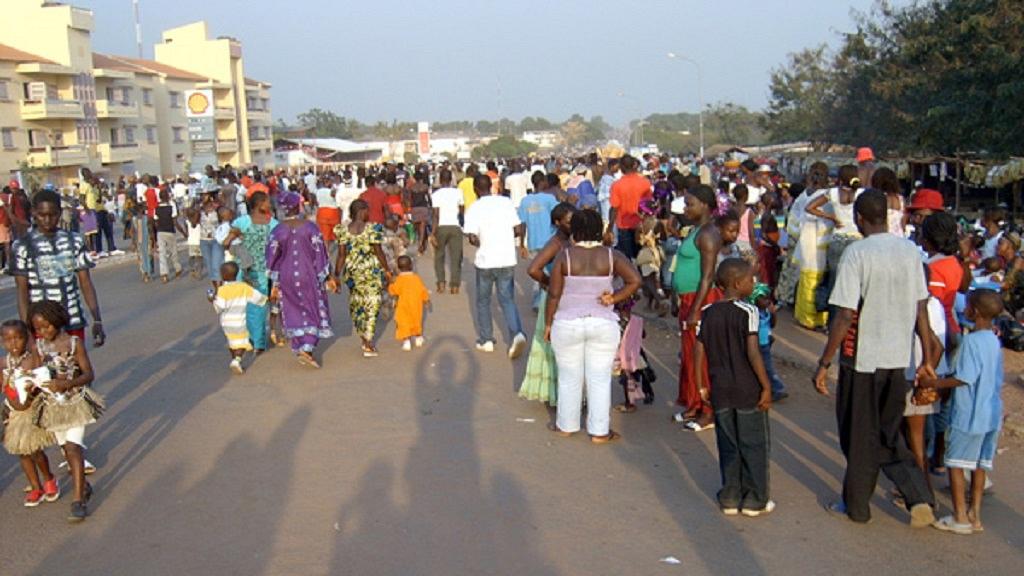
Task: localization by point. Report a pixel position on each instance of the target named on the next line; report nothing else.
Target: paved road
(419, 463)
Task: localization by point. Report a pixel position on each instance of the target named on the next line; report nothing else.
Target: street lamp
(700, 93)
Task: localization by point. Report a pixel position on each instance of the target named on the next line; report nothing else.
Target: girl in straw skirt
(21, 435)
(69, 404)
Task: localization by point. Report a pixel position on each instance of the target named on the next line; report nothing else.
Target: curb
(7, 282)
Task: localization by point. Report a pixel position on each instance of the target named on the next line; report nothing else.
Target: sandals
(612, 436)
(369, 352)
(306, 359)
(696, 426)
(554, 428)
(275, 339)
(949, 524)
(625, 408)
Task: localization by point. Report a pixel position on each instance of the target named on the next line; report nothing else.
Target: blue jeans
(504, 280)
(213, 257)
(627, 243)
(769, 367)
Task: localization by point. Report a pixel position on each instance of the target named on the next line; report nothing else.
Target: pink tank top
(581, 294)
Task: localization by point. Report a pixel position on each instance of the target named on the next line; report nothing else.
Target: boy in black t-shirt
(740, 391)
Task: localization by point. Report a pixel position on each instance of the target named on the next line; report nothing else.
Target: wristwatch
(822, 363)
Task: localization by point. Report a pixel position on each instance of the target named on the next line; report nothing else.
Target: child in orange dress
(411, 294)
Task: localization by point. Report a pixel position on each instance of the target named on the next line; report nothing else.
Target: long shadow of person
(227, 521)
(452, 524)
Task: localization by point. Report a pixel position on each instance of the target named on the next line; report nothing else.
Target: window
(129, 134)
(264, 104)
(126, 96)
(178, 134)
(267, 132)
(254, 133)
(151, 134)
(57, 138)
(110, 93)
(4, 89)
(8, 138)
(147, 96)
(115, 137)
(175, 98)
(37, 139)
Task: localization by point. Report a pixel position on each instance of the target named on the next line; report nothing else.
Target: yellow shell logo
(198, 103)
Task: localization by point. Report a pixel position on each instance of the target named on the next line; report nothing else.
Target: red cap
(927, 199)
(865, 155)
(14, 184)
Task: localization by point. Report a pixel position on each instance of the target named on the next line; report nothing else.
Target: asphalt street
(427, 462)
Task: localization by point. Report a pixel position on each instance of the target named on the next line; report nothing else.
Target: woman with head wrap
(299, 268)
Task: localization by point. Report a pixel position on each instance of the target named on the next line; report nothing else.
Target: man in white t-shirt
(516, 183)
(447, 234)
(493, 225)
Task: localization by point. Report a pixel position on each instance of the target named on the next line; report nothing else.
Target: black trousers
(105, 227)
(744, 444)
(869, 410)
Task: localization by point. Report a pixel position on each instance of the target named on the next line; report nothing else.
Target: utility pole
(138, 27)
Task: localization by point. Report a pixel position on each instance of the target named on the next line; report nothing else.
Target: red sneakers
(33, 498)
(51, 490)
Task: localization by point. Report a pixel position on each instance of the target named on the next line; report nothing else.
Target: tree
(798, 108)
(326, 124)
(531, 124)
(504, 147)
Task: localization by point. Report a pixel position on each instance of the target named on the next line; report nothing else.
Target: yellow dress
(411, 294)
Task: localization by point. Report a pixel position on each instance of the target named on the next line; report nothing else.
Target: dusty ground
(428, 463)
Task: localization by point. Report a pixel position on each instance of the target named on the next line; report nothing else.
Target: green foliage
(936, 76)
(724, 123)
(506, 146)
(327, 124)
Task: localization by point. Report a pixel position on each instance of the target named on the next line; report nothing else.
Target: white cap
(764, 168)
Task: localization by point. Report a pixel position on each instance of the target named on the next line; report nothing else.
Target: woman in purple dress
(298, 266)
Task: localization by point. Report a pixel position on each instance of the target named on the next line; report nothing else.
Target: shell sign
(199, 103)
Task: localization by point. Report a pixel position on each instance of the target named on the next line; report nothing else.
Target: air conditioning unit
(36, 91)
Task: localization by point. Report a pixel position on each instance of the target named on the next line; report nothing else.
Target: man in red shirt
(377, 200)
(152, 198)
(626, 195)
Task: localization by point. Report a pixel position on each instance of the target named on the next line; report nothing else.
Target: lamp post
(700, 93)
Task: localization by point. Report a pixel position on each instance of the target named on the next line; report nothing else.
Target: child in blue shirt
(976, 412)
(762, 298)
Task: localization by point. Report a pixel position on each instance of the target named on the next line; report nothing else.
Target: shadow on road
(228, 520)
(456, 515)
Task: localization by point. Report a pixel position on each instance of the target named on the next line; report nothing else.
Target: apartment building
(64, 107)
(241, 106)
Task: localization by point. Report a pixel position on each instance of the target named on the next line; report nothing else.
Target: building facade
(64, 107)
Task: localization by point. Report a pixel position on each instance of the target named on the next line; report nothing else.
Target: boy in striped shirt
(230, 301)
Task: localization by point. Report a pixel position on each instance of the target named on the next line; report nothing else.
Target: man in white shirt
(310, 181)
(516, 183)
(493, 225)
(447, 236)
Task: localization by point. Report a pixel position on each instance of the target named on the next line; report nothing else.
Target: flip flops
(949, 524)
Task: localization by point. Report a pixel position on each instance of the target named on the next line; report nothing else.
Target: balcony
(260, 143)
(51, 110)
(227, 146)
(54, 156)
(110, 109)
(261, 116)
(224, 113)
(118, 153)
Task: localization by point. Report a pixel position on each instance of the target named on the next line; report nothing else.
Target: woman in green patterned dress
(362, 265)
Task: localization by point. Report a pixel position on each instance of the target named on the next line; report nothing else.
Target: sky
(441, 60)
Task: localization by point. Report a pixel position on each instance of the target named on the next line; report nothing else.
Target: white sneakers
(236, 366)
(517, 347)
(515, 350)
(418, 341)
(407, 345)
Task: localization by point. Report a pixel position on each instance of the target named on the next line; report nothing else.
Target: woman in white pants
(582, 325)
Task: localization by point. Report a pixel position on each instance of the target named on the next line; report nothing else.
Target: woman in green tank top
(693, 281)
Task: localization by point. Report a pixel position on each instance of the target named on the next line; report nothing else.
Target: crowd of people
(908, 294)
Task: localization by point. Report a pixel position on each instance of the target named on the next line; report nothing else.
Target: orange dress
(411, 294)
